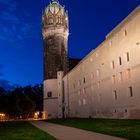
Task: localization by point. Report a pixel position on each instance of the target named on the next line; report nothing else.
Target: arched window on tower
(50, 19)
(59, 19)
(56, 19)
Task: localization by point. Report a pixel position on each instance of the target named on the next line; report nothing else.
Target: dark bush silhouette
(21, 102)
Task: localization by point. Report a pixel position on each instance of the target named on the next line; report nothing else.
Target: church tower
(55, 31)
(55, 35)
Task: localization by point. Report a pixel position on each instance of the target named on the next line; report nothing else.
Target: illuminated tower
(55, 35)
(55, 30)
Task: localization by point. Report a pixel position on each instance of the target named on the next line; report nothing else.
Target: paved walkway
(68, 133)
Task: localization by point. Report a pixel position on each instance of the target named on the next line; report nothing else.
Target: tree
(22, 101)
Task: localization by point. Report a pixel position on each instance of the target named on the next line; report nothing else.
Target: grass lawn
(129, 129)
(21, 131)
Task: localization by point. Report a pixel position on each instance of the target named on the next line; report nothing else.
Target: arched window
(59, 19)
(50, 19)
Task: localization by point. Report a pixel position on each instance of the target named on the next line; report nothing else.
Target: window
(84, 101)
(112, 65)
(99, 97)
(129, 73)
(92, 75)
(92, 88)
(79, 92)
(79, 102)
(113, 79)
(98, 72)
(59, 19)
(115, 111)
(91, 59)
(120, 76)
(84, 79)
(120, 61)
(130, 91)
(127, 57)
(110, 43)
(74, 86)
(96, 54)
(49, 94)
(84, 90)
(125, 32)
(50, 20)
(115, 94)
(79, 82)
(99, 84)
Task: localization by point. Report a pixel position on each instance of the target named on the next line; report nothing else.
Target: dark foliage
(22, 102)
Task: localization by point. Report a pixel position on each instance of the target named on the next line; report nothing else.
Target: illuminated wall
(106, 83)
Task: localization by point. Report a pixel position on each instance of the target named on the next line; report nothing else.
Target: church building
(109, 88)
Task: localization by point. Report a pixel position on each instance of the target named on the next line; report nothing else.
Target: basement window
(49, 94)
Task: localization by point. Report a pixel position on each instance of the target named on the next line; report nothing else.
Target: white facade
(50, 104)
(106, 83)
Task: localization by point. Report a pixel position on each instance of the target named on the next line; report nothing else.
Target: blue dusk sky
(21, 44)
